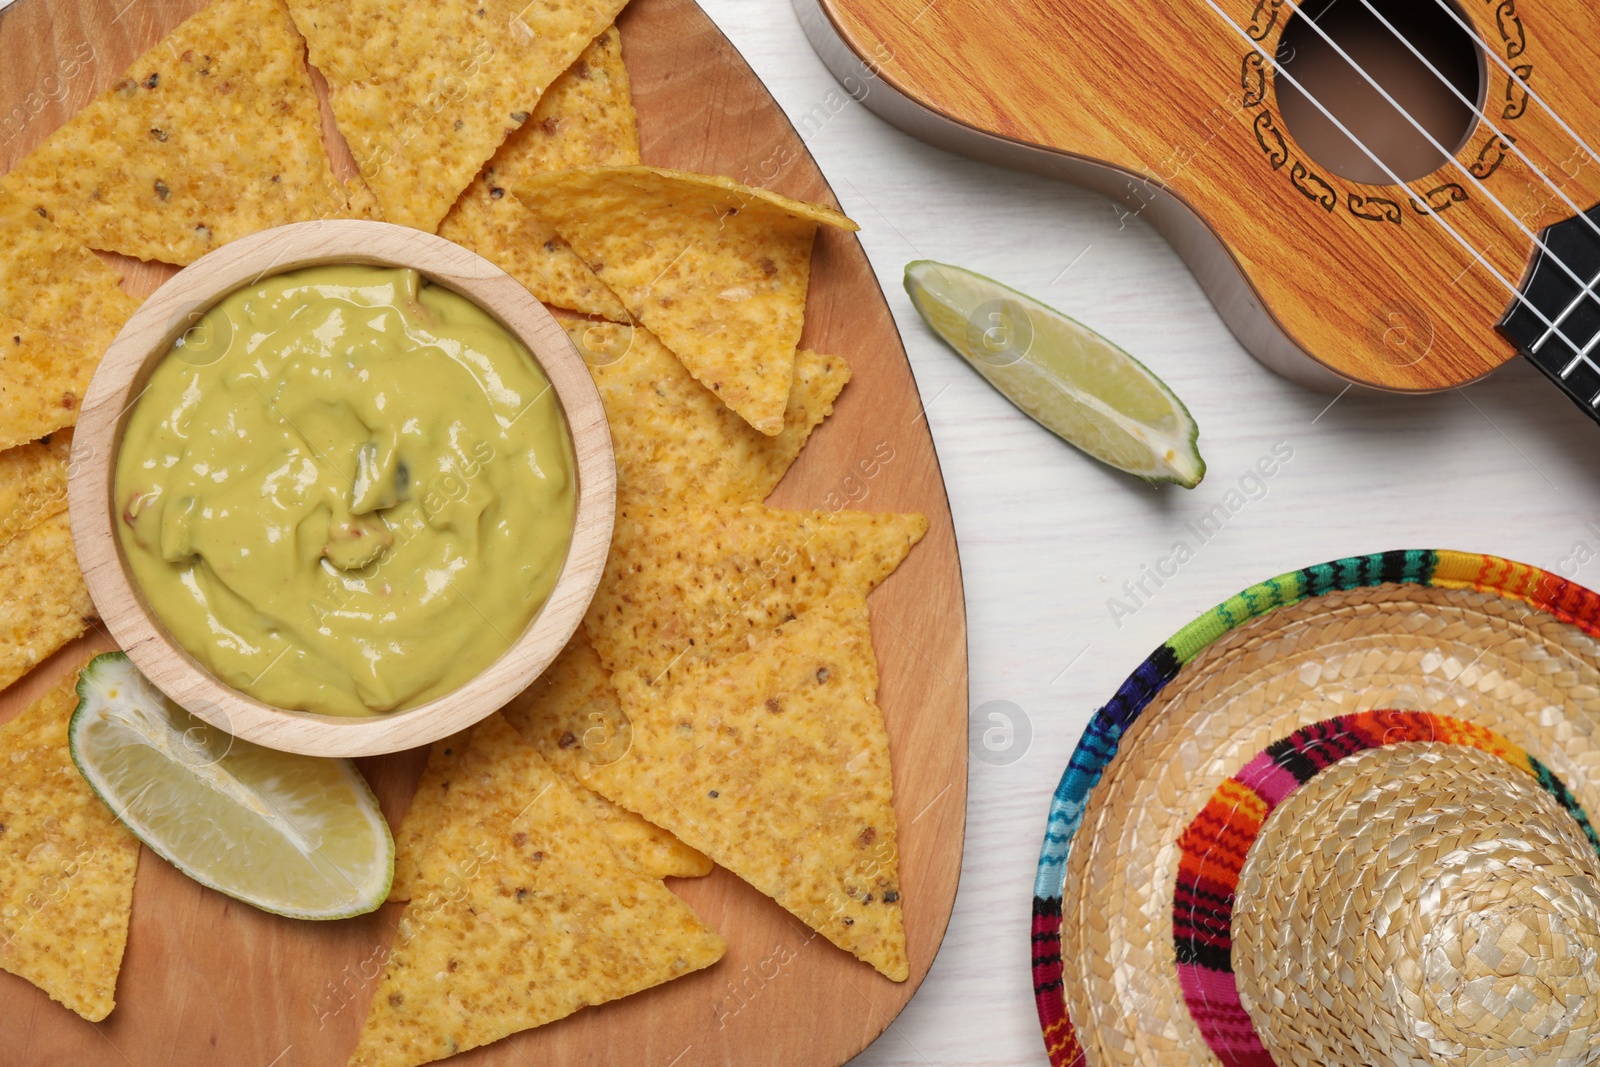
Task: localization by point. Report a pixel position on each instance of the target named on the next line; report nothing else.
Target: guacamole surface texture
(345, 490)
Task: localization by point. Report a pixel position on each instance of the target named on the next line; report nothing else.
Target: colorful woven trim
(1539, 589)
(1215, 845)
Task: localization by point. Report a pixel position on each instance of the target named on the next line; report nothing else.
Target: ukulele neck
(1555, 319)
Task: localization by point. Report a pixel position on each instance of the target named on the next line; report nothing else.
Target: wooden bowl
(147, 338)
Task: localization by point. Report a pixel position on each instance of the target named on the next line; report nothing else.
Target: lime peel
(1063, 375)
(299, 836)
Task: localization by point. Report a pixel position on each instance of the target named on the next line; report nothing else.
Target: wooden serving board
(208, 980)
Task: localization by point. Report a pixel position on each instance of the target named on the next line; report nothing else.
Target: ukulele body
(1173, 110)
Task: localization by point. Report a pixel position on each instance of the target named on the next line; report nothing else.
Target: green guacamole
(346, 491)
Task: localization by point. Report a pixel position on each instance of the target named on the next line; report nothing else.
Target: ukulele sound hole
(1437, 99)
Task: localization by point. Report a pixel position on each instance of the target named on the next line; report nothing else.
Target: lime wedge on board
(294, 835)
(1063, 375)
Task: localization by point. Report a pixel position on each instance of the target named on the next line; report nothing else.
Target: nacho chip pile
(674, 440)
(425, 93)
(59, 309)
(690, 584)
(719, 704)
(572, 716)
(529, 917)
(43, 601)
(775, 761)
(211, 135)
(716, 269)
(585, 118)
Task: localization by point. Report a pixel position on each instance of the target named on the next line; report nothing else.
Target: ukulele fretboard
(1555, 319)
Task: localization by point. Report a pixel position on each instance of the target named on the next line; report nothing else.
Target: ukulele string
(1509, 142)
(1477, 256)
(1512, 74)
(1483, 116)
(1466, 172)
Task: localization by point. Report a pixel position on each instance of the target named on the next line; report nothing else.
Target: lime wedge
(1063, 375)
(294, 835)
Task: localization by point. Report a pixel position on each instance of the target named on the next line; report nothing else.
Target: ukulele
(1394, 194)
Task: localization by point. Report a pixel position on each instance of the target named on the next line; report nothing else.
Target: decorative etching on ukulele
(1511, 32)
(1439, 199)
(1270, 140)
(1490, 156)
(1253, 82)
(1517, 91)
(1380, 209)
(1313, 186)
(1374, 208)
(1264, 18)
(1513, 43)
(1253, 79)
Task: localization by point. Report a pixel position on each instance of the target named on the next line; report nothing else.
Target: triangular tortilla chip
(42, 382)
(426, 92)
(690, 583)
(60, 306)
(361, 203)
(529, 918)
(585, 119)
(675, 442)
(213, 134)
(775, 763)
(429, 805)
(43, 601)
(33, 483)
(717, 270)
(66, 863)
(571, 715)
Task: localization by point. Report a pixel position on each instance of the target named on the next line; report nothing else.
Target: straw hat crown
(1421, 904)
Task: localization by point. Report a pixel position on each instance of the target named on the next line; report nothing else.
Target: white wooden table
(1049, 538)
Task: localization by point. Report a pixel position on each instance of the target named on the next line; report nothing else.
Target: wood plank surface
(208, 980)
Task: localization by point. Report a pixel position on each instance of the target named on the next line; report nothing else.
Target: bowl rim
(147, 337)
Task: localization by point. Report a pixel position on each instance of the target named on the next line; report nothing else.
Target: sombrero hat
(1340, 820)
